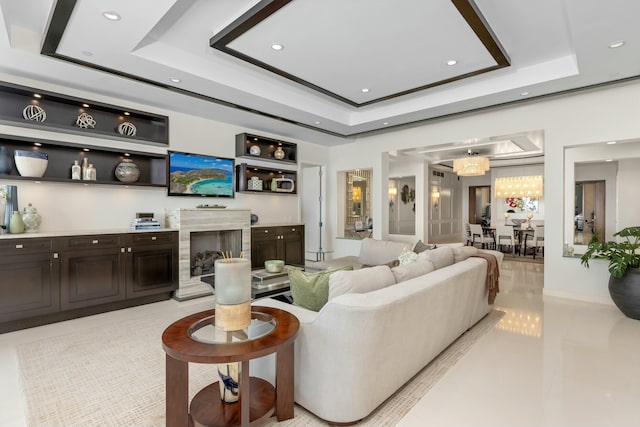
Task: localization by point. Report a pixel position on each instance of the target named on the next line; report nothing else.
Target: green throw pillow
(311, 290)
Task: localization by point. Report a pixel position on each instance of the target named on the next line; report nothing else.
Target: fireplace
(208, 246)
(219, 229)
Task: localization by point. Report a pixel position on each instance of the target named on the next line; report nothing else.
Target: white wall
(583, 118)
(628, 181)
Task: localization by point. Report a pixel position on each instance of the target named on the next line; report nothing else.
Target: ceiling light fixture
(386, 123)
(126, 113)
(364, 90)
(472, 165)
(277, 46)
(617, 44)
(452, 62)
(37, 95)
(611, 142)
(111, 16)
(85, 105)
(317, 123)
(175, 79)
(524, 93)
(519, 186)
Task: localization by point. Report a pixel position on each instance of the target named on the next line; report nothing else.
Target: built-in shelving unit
(39, 109)
(246, 174)
(153, 167)
(263, 148)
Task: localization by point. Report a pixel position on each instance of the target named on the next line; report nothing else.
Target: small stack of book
(145, 222)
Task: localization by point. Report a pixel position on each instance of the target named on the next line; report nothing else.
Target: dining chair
(469, 237)
(535, 241)
(504, 235)
(478, 236)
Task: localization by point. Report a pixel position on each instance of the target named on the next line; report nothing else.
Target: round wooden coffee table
(189, 340)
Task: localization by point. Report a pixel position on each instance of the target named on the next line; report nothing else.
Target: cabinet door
(29, 285)
(152, 268)
(264, 245)
(91, 277)
(291, 244)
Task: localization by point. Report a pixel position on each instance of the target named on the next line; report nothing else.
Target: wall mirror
(600, 191)
(358, 221)
(402, 205)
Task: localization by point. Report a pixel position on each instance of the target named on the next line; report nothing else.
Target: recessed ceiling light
(85, 105)
(609, 160)
(277, 46)
(175, 79)
(617, 44)
(364, 90)
(126, 113)
(317, 123)
(85, 149)
(37, 144)
(37, 95)
(111, 16)
(386, 123)
(611, 142)
(452, 62)
(524, 93)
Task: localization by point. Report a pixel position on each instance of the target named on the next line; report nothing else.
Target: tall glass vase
(11, 205)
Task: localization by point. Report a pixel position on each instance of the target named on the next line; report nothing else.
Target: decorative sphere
(35, 113)
(127, 129)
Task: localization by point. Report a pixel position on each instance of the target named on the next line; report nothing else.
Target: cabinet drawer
(25, 246)
(92, 242)
(166, 237)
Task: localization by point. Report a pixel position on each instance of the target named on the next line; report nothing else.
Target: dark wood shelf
(245, 172)
(153, 167)
(62, 112)
(267, 147)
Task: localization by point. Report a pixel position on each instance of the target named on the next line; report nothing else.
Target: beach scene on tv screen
(200, 175)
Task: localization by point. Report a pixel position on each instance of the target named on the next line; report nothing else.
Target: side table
(258, 398)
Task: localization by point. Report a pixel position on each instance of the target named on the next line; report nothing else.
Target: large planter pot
(625, 292)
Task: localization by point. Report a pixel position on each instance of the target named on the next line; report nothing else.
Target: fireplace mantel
(191, 220)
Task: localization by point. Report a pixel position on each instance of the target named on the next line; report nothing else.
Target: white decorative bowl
(274, 265)
(518, 221)
(30, 163)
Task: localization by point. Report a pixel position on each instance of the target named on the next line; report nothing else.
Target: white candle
(232, 281)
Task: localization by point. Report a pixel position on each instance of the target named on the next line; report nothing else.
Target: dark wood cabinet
(261, 180)
(280, 242)
(44, 280)
(61, 156)
(29, 279)
(91, 277)
(263, 148)
(152, 264)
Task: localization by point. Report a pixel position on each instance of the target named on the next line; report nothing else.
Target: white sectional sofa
(360, 348)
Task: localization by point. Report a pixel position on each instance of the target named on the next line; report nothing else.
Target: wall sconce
(393, 192)
(435, 198)
(357, 194)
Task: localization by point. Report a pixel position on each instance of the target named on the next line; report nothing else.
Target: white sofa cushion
(378, 252)
(441, 256)
(360, 281)
(463, 252)
(414, 269)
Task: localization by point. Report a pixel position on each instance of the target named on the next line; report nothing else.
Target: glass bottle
(85, 166)
(76, 170)
(91, 172)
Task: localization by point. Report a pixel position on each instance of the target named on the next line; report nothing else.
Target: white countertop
(79, 233)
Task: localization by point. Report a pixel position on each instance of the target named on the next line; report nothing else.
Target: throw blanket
(493, 273)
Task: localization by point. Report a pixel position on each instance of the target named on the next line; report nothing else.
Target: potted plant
(624, 266)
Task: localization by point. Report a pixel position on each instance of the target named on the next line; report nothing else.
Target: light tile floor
(549, 362)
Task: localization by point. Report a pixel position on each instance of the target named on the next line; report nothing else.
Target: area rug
(114, 376)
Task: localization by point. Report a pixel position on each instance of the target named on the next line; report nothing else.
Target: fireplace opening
(208, 246)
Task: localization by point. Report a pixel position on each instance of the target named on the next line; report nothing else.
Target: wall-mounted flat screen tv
(199, 175)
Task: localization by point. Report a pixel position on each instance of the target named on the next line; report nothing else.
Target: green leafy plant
(621, 255)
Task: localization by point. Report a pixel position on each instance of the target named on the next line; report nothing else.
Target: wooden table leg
(284, 383)
(177, 393)
(245, 394)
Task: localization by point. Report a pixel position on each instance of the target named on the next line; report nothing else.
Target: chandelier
(519, 186)
(472, 165)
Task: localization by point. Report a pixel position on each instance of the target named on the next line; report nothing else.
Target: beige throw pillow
(441, 256)
(415, 269)
(360, 281)
(464, 252)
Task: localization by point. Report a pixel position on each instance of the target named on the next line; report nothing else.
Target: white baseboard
(577, 297)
